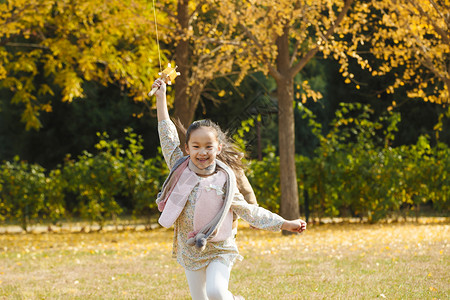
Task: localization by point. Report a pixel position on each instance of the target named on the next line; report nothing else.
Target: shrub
(23, 191)
(114, 180)
(264, 176)
(354, 172)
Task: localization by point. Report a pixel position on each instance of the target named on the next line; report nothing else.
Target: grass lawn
(344, 261)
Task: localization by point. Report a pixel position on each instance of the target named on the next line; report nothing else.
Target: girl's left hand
(161, 85)
(294, 226)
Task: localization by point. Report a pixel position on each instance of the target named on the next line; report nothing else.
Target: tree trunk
(183, 110)
(289, 206)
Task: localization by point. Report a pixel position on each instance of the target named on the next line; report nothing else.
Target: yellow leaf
(47, 107)
(221, 93)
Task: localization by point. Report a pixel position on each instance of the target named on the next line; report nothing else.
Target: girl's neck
(202, 172)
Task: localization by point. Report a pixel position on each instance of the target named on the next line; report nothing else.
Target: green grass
(347, 261)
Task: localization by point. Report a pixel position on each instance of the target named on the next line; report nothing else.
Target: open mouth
(202, 159)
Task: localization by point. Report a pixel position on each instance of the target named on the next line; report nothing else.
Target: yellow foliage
(420, 38)
(114, 41)
(75, 42)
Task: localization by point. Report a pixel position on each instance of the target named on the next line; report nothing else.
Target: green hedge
(94, 187)
(354, 172)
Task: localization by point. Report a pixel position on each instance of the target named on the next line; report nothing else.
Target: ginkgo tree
(204, 48)
(48, 49)
(281, 38)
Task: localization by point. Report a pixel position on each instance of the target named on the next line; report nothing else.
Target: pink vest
(210, 200)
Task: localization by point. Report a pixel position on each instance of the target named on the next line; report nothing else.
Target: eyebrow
(209, 143)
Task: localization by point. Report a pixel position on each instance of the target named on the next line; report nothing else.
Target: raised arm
(168, 135)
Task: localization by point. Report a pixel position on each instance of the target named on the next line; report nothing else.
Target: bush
(54, 191)
(96, 182)
(100, 181)
(142, 179)
(354, 172)
(23, 192)
(264, 177)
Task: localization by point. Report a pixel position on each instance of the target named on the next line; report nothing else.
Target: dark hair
(231, 154)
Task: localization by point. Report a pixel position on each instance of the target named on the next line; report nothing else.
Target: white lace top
(224, 251)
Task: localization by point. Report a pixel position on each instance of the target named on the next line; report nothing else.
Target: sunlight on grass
(393, 261)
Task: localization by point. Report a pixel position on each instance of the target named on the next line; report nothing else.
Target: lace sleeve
(170, 143)
(257, 216)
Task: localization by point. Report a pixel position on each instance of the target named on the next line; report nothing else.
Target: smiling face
(203, 147)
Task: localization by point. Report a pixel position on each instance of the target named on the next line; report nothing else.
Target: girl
(200, 198)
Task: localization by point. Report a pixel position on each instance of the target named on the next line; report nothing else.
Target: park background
(341, 107)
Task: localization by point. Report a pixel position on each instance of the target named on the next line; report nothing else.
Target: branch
(438, 29)
(294, 54)
(227, 78)
(167, 11)
(427, 62)
(311, 53)
(216, 41)
(213, 99)
(208, 55)
(272, 70)
(27, 45)
(225, 75)
(439, 11)
(196, 9)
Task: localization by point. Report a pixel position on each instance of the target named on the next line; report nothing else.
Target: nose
(203, 151)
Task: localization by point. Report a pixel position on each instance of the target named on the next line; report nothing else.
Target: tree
(282, 38)
(204, 50)
(54, 47)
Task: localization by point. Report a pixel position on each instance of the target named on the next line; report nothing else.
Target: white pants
(210, 282)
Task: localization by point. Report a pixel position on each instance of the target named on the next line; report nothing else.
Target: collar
(207, 171)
